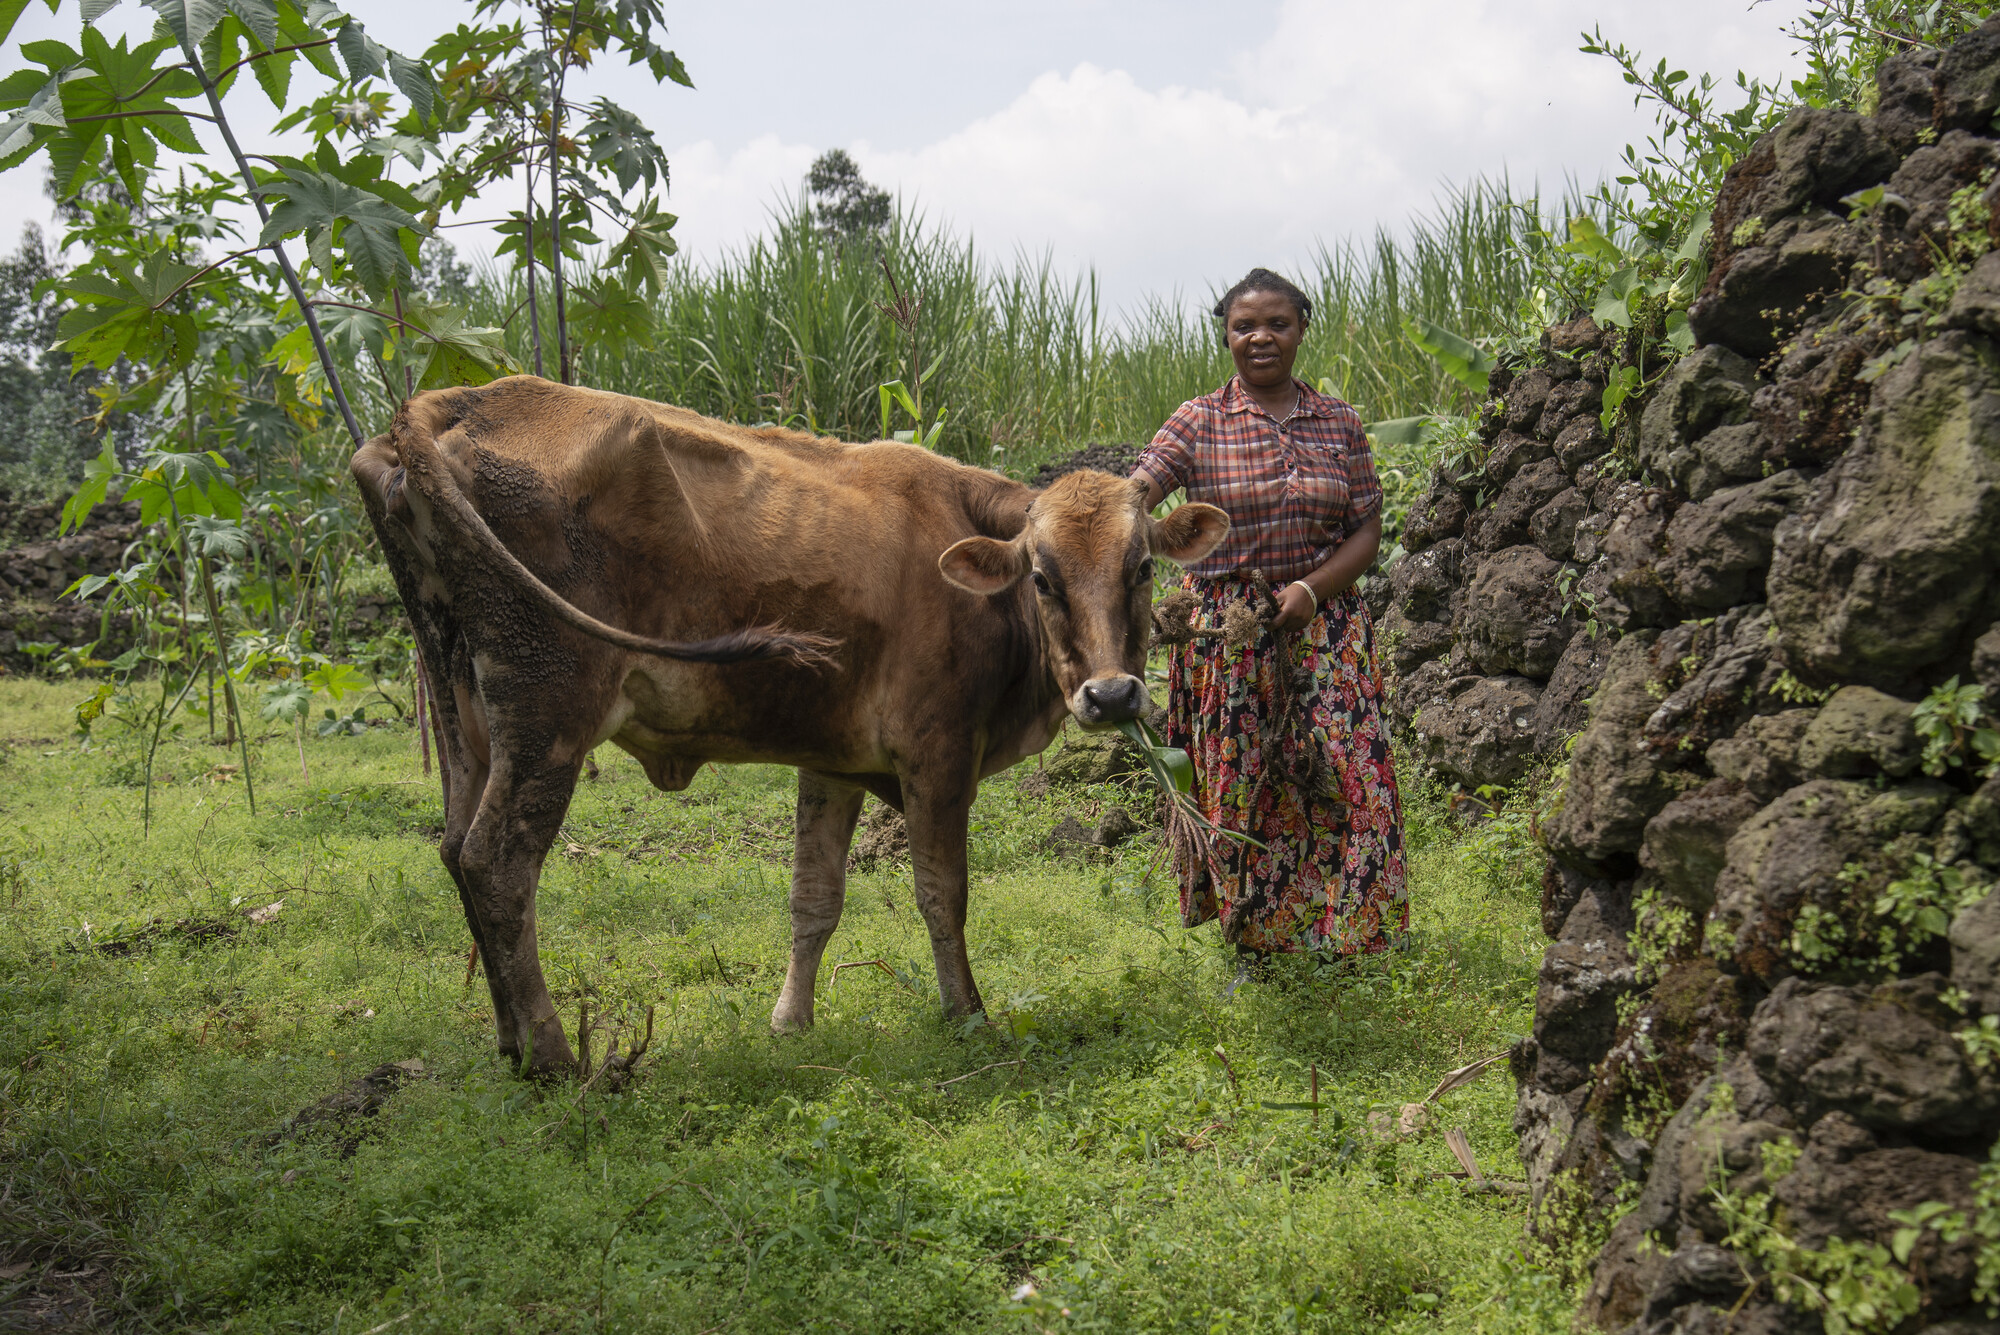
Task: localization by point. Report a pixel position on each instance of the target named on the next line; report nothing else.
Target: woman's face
(1264, 332)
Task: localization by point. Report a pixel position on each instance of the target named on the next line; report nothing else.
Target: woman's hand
(1295, 608)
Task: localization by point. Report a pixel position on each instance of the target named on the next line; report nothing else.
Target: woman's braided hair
(1263, 280)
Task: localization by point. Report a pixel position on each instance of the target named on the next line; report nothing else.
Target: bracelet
(1311, 597)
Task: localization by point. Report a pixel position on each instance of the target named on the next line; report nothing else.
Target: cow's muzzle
(1106, 700)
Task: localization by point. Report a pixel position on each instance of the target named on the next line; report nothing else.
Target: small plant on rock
(1955, 726)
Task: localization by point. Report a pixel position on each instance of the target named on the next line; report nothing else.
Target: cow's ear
(984, 565)
(1191, 532)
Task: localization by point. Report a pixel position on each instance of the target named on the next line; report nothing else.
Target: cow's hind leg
(500, 863)
(937, 823)
(462, 758)
(828, 809)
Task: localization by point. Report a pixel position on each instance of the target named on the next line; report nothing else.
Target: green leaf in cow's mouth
(1170, 765)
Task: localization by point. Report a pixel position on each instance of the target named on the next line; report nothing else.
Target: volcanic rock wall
(34, 574)
(1774, 929)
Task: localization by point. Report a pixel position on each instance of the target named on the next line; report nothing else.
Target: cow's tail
(417, 445)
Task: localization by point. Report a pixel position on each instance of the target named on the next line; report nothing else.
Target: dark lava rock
(1709, 388)
(1614, 785)
(1475, 730)
(1767, 289)
(1967, 85)
(1686, 845)
(1505, 521)
(1553, 527)
(1112, 458)
(1512, 620)
(1884, 1055)
(1565, 704)
(1719, 549)
(1860, 731)
(1898, 548)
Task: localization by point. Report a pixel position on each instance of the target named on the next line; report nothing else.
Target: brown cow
(525, 521)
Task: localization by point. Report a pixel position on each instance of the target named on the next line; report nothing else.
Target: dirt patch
(359, 1099)
(881, 840)
(1103, 458)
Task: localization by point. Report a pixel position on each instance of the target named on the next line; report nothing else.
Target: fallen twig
(1464, 1075)
(990, 1066)
(1461, 1150)
(884, 965)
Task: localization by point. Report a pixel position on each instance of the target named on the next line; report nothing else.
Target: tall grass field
(790, 328)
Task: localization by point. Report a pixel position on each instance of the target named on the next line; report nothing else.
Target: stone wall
(34, 574)
(1771, 928)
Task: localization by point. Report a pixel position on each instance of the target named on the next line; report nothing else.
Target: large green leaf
(120, 99)
(605, 312)
(443, 351)
(190, 20)
(1461, 359)
(43, 109)
(119, 312)
(614, 137)
(645, 248)
(370, 232)
(97, 478)
(1402, 430)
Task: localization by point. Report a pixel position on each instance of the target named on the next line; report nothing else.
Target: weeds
(885, 1169)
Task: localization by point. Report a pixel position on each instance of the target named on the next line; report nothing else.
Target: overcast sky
(1169, 144)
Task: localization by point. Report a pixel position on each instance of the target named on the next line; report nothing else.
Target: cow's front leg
(828, 809)
(500, 863)
(937, 823)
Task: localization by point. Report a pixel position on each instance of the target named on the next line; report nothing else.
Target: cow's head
(1088, 547)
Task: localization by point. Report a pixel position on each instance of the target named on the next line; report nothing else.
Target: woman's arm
(1153, 493)
(1335, 574)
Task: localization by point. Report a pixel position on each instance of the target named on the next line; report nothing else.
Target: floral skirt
(1330, 875)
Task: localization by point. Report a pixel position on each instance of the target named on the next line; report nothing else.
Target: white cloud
(1332, 118)
(1344, 116)
(725, 198)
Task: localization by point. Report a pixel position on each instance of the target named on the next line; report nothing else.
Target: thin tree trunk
(528, 237)
(409, 384)
(555, 236)
(278, 249)
(241, 734)
(556, 79)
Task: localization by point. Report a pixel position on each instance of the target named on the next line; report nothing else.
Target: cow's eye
(1041, 583)
(1146, 571)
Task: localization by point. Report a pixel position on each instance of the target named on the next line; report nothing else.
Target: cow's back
(675, 525)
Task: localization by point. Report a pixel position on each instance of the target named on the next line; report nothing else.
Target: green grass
(739, 1182)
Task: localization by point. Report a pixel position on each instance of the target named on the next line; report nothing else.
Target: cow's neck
(1033, 710)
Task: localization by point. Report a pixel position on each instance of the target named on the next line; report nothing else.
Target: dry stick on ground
(990, 1066)
(883, 965)
(629, 1063)
(1234, 1088)
(1464, 1075)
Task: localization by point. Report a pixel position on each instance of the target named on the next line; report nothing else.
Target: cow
(582, 567)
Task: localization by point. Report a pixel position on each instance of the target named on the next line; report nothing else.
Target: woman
(1285, 732)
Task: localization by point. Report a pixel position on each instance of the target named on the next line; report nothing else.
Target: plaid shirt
(1293, 491)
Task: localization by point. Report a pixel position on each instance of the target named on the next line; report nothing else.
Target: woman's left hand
(1295, 608)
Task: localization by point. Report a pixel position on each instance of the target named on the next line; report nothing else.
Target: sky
(1167, 144)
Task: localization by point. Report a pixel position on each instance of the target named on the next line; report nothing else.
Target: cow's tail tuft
(415, 438)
